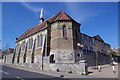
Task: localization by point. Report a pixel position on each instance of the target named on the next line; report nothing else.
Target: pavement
(106, 72)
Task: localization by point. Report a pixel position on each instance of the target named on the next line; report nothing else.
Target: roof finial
(41, 16)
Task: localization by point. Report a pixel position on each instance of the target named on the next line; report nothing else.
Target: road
(18, 74)
(10, 73)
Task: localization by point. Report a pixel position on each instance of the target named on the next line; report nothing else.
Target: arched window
(18, 56)
(39, 40)
(30, 43)
(17, 48)
(23, 46)
(64, 31)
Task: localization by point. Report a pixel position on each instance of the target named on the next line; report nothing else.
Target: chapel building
(58, 38)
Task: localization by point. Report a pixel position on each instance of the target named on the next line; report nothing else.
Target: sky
(96, 18)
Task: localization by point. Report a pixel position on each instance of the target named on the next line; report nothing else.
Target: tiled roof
(61, 15)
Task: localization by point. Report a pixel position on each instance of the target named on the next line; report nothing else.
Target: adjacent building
(7, 55)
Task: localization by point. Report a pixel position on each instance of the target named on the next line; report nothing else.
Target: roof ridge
(58, 16)
(55, 16)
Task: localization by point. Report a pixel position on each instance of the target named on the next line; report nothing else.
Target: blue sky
(95, 18)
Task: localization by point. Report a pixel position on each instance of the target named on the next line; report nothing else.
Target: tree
(98, 45)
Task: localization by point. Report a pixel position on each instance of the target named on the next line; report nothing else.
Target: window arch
(39, 42)
(64, 31)
(23, 45)
(30, 43)
(17, 48)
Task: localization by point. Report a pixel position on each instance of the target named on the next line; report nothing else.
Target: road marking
(19, 78)
(8, 74)
(4, 72)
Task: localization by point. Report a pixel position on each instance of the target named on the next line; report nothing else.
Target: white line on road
(4, 72)
(8, 74)
(19, 78)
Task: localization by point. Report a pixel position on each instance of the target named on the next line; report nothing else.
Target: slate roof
(61, 15)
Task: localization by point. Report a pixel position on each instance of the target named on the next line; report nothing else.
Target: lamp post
(82, 60)
(81, 52)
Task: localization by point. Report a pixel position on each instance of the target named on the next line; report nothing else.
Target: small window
(64, 31)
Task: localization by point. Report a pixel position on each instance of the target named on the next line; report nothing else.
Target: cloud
(83, 12)
(30, 7)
